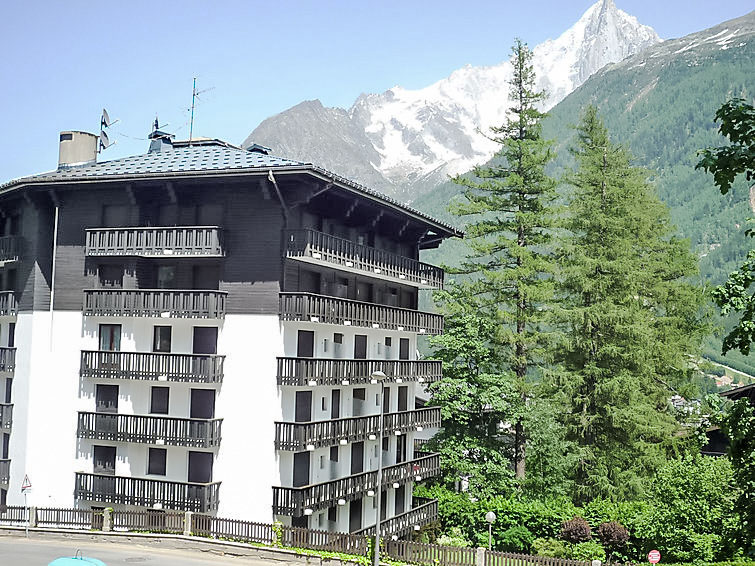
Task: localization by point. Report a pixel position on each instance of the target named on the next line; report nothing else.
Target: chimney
(77, 148)
(160, 141)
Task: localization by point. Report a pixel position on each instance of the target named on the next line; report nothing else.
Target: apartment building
(206, 328)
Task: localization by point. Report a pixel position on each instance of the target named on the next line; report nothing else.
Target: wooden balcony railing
(422, 513)
(174, 241)
(294, 500)
(301, 436)
(8, 305)
(154, 303)
(309, 307)
(320, 371)
(7, 359)
(317, 247)
(4, 472)
(171, 431)
(6, 416)
(10, 247)
(152, 366)
(182, 496)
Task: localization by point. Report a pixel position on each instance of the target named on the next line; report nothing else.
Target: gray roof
(207, 157)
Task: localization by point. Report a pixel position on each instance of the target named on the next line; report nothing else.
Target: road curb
(179, 542)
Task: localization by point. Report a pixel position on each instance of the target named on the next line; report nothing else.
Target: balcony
(308, 307)
(8, 305)
(181, 496)
(170, 431)
(323, 249)
(318, 371)
(6, 416)
(303, 436)
(293, 500)
(189, 368)
(154, 303)
(174, 241)
(4, 472)
(9, 249)
(423, 512)
(7, 359)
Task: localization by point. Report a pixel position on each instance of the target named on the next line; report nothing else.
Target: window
(160, 400)
(205, 340)
(388, 341)
(110, 337)
(403, 349)
(12, 335)
(324, 404)
(322, 462)
(156, 461)
(200, 467)
(332, 511)
(305, 344)
(334, 453)
(104, 460)
(337, 338)
(166, 276)
(110, 275)
(162, 339)
(360, 347)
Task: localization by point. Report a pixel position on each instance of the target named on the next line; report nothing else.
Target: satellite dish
(104, 141)
(105, 120)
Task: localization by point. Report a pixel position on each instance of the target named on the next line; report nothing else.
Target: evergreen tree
(474, 399)
(630, 316)
(509, 203)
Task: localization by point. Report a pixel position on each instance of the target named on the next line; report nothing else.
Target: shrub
(549, 547)
(453, 538)
(589, 550)
(613, 535)
(576, 530)
(692, 517)
(516, 539)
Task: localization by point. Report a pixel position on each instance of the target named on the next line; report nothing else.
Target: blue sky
(64, 61)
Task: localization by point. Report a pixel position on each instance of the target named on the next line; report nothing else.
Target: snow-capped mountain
(402, 141)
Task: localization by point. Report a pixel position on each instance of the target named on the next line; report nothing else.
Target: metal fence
(355, 544)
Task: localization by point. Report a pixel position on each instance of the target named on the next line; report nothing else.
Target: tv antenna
(105, 122)
(194, 96)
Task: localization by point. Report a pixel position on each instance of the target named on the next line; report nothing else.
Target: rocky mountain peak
(400, 140)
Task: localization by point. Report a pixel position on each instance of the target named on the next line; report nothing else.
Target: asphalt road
(17, 551)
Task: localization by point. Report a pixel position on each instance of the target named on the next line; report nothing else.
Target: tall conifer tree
(510, 269)
(631, 319)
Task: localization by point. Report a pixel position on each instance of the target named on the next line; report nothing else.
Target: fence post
(479, 557)
(32, 517)
(187, 523)
(107, 519)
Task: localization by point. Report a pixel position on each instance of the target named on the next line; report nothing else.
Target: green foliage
(661, 109)
(739, 426)
(629, 317)
(516, 539)
(588, 550)
(549, 547)
(474, 398)
(692, 513)
(737, 119)
(453, 538)
(576, 530)
(508, 204)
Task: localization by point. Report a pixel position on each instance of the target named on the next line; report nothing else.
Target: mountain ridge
(401, 141)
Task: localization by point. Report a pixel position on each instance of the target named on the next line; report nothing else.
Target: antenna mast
(193, 98)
